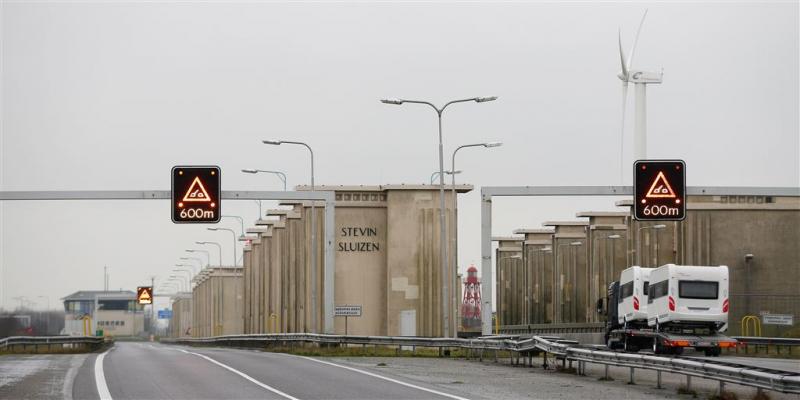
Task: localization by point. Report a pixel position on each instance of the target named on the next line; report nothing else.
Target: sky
(109, 95)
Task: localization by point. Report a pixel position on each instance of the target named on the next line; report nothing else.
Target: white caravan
(688, 296)
(632, 300)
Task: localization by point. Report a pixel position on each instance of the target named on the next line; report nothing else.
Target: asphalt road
(138, 370)
(154, 371)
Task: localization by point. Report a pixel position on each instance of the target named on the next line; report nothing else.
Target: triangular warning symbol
(660, 188)
(197, 192)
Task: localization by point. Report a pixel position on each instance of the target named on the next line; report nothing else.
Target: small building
(116, 313)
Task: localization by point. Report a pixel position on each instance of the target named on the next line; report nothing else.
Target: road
(132, 370)
(140, 370)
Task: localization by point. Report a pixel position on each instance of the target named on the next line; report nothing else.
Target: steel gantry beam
(488, 192)
(327, 196)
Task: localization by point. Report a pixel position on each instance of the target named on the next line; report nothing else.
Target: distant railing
(47, 344)
(525, 348)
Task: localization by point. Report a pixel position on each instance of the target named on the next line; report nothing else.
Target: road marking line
(452, 396)
(243, 375)
(100, 377)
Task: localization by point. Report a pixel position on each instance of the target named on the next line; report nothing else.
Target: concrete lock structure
(387, 262)
(116, 313)
(538, 272)
(509, 285)
(180, 325)
(217, 302)
(755, 236)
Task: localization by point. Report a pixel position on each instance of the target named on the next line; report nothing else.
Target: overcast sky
(110, 95)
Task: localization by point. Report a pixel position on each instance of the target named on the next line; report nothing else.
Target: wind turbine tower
(640, 80)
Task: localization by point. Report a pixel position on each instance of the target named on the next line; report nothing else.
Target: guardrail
(589, 327)
(51, 344)
(525, 348)
(758, 342)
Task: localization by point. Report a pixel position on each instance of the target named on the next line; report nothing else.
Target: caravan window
(698, 290)
(657, 290)
(625, 291)
(646, 288)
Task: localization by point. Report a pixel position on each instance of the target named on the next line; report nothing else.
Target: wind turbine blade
(622, 132)
(636, 40)
(622, 56)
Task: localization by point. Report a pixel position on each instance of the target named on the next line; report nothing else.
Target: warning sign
(196, 194)
(659, 190)
(144, 294)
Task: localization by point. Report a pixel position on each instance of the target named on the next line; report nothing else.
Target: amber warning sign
(659, 190)
(196, 194)
(144, 294)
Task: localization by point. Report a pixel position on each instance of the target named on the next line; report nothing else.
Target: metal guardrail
(564, 350)
(12, 343)
(588, 327)
(767, 341)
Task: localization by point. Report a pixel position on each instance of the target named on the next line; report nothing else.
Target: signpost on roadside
(165, 314)
(777, 319)
(347, 311)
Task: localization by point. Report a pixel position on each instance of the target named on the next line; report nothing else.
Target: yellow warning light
(213, 172)
(180, 205)
(180, 172)
(213, 204)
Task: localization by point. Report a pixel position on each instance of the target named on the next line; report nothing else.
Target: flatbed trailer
(633, 340)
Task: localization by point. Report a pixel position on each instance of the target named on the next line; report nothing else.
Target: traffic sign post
(144, 294)
(196, 194)
(165, 314)
(659, 190)
(347, 311)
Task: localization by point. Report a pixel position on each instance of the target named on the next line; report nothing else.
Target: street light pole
(280, 174)
(313, 232)
(436, 174)
(455, 205)
(219, 247)
(443, 228)
(241, 222)
(234, 240)
(205, 252)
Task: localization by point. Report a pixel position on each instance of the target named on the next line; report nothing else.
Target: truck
(687, 306)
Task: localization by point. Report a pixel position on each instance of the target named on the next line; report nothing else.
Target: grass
(685, 390)
(723, 396)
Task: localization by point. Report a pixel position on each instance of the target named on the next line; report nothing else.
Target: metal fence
(51, 344)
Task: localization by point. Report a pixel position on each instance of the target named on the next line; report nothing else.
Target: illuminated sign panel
(144, 294)
(196, 194)
(659, 190)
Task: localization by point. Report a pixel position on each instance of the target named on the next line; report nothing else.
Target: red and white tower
(471, 303)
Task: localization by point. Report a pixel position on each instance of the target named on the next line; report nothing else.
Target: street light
(639, 244)
(187, 265)
(219, 247)
(206, 252)
(435, 174)
(443, 231)
(313, 231)
(234, 240)
(189, 272)
(280, 174)
(241, 222)
(179, 279)
(199, 261)
(455, 201)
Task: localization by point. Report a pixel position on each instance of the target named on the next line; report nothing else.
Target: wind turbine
(640, 79)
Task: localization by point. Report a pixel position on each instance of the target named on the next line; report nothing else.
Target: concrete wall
(217, 302)
(718, 230)
(181, 323)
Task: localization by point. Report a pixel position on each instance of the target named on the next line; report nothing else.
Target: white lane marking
(100, 377)
(243, 375)
(452, 396)
(69, 380)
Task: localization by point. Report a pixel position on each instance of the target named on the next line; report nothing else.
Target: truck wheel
(677, 351)
(657, 347)
(630, 346)
(716, 351)
(708, 351)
